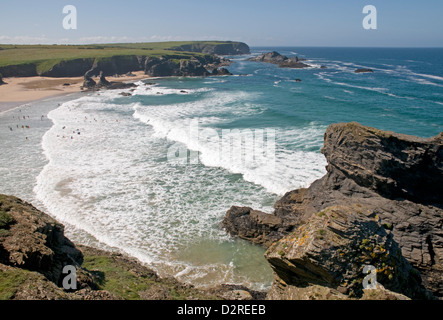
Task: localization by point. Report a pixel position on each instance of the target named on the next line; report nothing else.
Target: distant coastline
(42, 72)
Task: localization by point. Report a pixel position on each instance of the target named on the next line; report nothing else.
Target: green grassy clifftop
(75, 60)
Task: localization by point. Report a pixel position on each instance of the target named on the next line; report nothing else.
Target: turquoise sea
(106, 165)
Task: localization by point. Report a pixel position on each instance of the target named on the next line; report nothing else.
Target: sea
(152, 174)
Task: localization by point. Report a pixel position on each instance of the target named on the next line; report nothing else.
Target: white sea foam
(174, 123)
(112, 180)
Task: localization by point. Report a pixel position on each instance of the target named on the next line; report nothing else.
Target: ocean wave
(110, 182)
(268, 162)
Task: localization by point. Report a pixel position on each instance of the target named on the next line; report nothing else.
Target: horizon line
(251, 46)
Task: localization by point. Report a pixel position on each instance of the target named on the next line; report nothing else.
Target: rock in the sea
(255, 226)
(280, 60)
(396, 177)
(362, 70)
(221, 72)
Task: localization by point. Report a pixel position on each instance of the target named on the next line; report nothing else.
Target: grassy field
(46, 56)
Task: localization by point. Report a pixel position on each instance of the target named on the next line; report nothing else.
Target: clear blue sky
(400, 23)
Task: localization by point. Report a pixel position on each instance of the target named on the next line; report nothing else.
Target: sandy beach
(18, 91)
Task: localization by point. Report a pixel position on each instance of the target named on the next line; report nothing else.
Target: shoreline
(24, 90)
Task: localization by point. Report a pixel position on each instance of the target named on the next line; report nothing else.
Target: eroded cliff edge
(379, 204)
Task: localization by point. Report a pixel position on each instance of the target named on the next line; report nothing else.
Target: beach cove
(169, 216)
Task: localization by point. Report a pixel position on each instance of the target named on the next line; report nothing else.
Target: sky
(400, 23)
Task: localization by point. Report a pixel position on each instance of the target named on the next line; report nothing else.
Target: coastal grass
(126, 281)
(12, 280)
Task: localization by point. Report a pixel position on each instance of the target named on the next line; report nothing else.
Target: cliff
(217, 48)
(379, 203)
(183, 58)
(34, 251)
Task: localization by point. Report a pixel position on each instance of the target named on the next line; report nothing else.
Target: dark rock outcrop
(103, 82)
(33, 241)
(88, 82)
(280, 60)
(221, 72)
(1, 80)
(393, 178)
(167, 67)
(362, 70)
(255, 226)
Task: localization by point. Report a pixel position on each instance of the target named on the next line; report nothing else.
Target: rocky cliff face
(23, 70)
(164, 66)
(33, 241)
(227, 48)
(389, 181)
